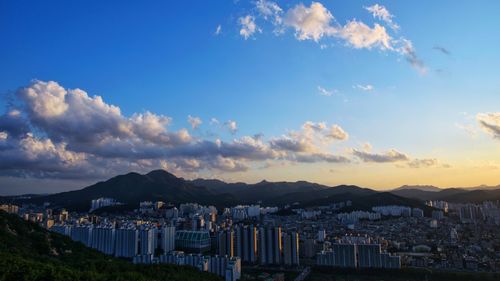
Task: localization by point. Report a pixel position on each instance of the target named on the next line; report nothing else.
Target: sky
(373, 93)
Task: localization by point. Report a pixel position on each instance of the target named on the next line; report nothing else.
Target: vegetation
(29, 252)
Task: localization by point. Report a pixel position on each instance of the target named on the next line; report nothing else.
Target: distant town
(270, 241)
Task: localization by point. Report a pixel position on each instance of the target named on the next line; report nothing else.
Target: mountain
(29, 252)
(419, 187)
(133, 188)
(453, 195)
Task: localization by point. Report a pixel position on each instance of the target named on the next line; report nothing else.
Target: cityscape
(249, 140)
(257, 242)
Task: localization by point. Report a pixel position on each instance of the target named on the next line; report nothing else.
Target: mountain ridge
(160, 185)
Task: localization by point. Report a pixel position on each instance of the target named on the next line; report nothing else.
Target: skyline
(363, 93)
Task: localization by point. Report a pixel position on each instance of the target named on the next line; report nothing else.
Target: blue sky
(166, 58)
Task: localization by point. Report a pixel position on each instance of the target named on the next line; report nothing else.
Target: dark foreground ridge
(29, 252)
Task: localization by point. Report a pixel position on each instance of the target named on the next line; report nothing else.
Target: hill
(29, 252)
(453, 195)
(419, 187)
(132, 188)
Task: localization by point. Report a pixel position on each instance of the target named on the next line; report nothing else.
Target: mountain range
(160, 185)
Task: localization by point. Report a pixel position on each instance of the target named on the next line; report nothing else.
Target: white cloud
(310, 23)
(214, 121)
(366, 88)
(490, 123)
(194, 121)
(3, 135)
(218, 30)
(248, 26)
(315, 22)
(269, 10)
(359, 35)
(324, 92)
(311, 138)
(231, 126)
(381, 13)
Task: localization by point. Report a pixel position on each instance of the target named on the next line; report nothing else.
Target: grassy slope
(29, 252)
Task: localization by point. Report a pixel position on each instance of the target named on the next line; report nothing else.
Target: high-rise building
(369, 256)
(344, 255)
(82, 233)
(291, 248)
(225, 242)
(437, 215)
(147, 240)
(245, 243)
(103, 239)
(167, 239)
(321, 235)
(127, 241)
(270, 245)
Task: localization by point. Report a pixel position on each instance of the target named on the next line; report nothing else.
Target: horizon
(359, 93)
(262, 180)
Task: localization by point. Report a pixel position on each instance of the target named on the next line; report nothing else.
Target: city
(273, 241)
(249, 140)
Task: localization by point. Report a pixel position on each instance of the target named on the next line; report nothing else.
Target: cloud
(324, 92)
(194, 121)
(248, 26)
(231, 126)
(386, 157)
(360, 36)
(318, 157)
(490, 123)
(469, 129)
(381, 13)
(310, 23)
(315, 22)
(218, 30)
(269, 10)
(442, 50)
(56, 132)
(311, 138)
(419, 163)
(408, 51)
(214, 121)
(366, 88)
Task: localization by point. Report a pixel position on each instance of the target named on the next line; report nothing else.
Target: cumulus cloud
(56, 132)
(311, 138)
(359, 35)
(490, 123)
(195, 122)
(381, 13)
(269, 10)
(311, 22)
(248, 26)
(231, 126)
(315, 22)
(391, 155)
